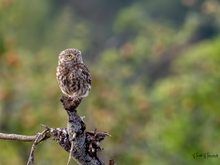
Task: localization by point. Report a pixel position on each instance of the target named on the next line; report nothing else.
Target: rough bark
(85, 144)
(82, 145)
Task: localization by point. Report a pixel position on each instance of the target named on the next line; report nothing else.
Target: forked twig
(39, 138)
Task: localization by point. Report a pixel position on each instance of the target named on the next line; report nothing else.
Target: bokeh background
(156, 77)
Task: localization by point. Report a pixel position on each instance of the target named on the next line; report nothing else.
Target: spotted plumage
(73, 76)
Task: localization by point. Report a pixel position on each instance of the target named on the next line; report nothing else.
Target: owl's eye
(69, 56)
(74, 59)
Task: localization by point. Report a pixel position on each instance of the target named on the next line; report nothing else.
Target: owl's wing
(84, 73)
(81, 74)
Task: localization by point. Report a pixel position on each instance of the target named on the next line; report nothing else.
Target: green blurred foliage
(155, 69)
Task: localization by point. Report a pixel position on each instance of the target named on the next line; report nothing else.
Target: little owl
(72, 74)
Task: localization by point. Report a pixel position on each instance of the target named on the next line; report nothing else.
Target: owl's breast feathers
(75, 80)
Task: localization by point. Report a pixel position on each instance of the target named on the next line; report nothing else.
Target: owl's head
(70, 55)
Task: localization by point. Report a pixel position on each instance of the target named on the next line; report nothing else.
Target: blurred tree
(155, 76)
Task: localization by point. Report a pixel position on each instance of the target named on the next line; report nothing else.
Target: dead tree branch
(85, 145)
(82, 145)
(25, 138)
